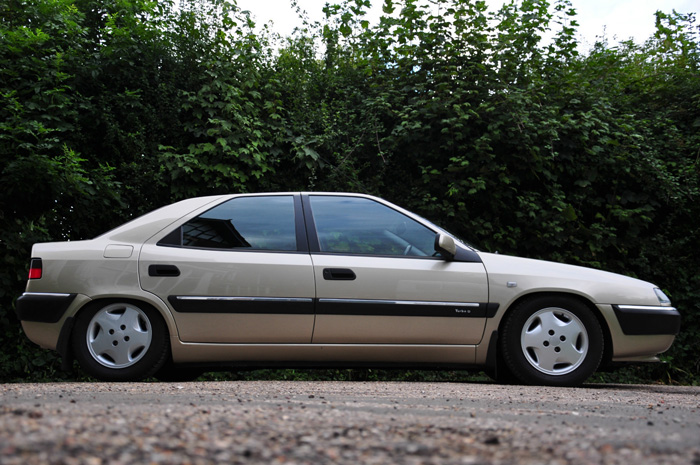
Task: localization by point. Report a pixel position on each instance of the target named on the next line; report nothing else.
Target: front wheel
(120, 341)
(553, 341)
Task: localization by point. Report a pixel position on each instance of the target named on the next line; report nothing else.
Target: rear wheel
(553, 341)
(120, 341)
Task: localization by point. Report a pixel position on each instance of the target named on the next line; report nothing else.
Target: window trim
(310, 225)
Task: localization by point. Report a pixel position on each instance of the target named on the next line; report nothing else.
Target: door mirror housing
(446, 246)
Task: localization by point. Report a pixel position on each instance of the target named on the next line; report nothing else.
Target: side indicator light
(35, 268)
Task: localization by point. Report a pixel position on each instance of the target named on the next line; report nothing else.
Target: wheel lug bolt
(562, 338)
(545, 343)
(551, 332)
(557, 349)
(115, 343)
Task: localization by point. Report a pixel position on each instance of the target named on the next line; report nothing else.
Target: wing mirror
(446, 246)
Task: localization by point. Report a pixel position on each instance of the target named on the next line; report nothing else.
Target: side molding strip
(261, 305)
(309, 306)
(401, 308)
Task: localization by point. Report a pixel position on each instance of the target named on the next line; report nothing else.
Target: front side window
(354, 225)
(243, 223)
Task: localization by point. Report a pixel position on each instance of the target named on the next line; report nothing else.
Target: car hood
(515, 276)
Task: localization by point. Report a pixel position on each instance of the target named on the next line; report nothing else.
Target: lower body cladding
(325, 331)
(638, 342)
(273, 320)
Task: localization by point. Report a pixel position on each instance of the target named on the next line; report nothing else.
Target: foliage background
(471, 118)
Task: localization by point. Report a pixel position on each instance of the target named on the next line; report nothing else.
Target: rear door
(238, 273)
(378, 280)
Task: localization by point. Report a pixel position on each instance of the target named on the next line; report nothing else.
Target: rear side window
(243, 223)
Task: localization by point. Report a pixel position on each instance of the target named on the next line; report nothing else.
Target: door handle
(338, 274)
(163, 270)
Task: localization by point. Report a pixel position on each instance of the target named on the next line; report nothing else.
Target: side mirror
(446, 246)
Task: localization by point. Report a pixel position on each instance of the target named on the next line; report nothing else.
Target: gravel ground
(347, 422)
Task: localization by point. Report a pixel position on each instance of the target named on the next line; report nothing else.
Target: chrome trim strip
(645, 307)
(244, 299)
(399, 302)
(46, 294)
(326, 345)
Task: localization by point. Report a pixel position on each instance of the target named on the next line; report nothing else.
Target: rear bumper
(43, 307)
(636, 320)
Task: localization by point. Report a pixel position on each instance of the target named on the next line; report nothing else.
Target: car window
(355, 225)
(252, 223)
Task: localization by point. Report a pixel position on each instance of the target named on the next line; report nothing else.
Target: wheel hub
(554, 341)
(119, 335)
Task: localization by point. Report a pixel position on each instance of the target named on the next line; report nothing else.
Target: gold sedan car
(327, 279)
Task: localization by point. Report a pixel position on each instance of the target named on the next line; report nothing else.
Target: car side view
(327, 279)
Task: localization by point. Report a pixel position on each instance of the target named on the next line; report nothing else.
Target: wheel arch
(64, 346)
(607, 336)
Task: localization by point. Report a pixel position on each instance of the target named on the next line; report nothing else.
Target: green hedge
(469, 117)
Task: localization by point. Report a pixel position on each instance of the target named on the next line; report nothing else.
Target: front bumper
(639, 320)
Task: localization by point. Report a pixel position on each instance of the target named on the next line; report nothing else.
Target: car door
(238, 273)
(378, 280)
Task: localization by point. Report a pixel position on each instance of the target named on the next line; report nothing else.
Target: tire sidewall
(156, 354)
(515, 359)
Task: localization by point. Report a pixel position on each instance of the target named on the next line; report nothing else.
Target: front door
(379, 281)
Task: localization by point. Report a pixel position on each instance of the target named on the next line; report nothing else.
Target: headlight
(663, 298)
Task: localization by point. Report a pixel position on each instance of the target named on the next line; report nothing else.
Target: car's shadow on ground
(651, 388)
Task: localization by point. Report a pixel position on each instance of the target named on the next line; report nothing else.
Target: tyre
(555, 341)
(120, 341)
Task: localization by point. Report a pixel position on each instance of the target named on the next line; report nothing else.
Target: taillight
(35, 269)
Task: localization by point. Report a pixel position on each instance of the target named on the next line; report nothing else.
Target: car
(312, 279)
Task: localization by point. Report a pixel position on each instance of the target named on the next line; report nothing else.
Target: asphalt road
(347, 422)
